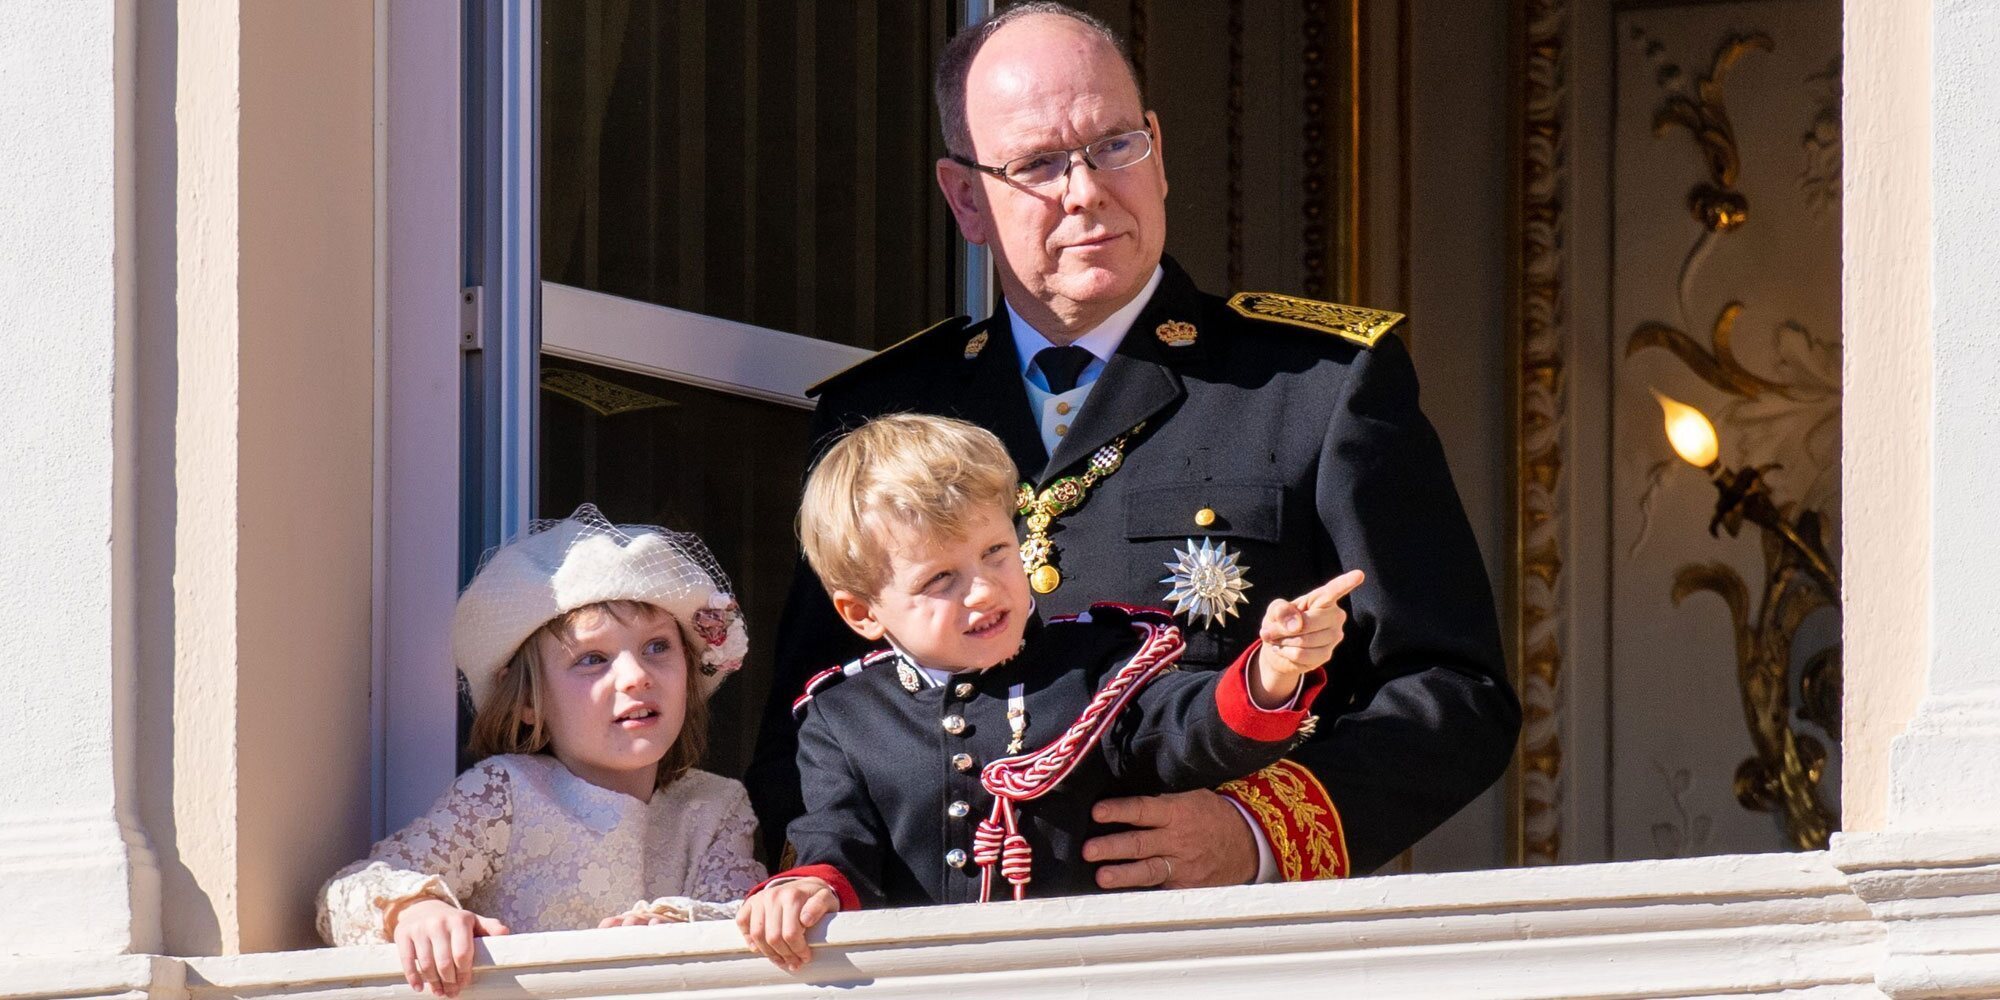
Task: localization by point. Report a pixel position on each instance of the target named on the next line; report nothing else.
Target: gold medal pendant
(1061, 497)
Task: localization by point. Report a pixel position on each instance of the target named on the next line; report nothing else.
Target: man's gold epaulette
(1362, 326)
(951, 325)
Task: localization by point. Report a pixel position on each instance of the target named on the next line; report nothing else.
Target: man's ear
(966, 197)
(859, 614)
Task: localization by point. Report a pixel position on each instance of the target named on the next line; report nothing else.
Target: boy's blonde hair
(926, 473)
(497, 727)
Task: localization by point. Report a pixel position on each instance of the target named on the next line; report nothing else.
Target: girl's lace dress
(520, 838)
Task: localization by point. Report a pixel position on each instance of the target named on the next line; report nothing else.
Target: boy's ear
(859, 614)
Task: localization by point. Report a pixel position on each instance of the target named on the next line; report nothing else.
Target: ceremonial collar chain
(1061, 497)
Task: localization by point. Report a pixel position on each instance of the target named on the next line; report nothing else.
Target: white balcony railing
(1748, 925)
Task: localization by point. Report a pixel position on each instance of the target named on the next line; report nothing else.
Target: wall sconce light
(1784, 774)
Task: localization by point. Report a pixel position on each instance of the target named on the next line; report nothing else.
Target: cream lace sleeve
(724, 872)
(446, 853)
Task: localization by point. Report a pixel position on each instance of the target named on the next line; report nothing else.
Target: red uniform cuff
(842, 888)
(1299, 819)
(1241, 714)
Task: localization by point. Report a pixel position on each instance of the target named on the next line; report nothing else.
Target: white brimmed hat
(556, 567)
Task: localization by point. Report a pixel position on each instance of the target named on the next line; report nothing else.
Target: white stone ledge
(1734, 926)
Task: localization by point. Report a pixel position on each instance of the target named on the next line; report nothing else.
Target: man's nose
(1083, 188)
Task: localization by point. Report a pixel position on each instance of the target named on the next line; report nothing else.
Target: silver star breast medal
(1207, 582)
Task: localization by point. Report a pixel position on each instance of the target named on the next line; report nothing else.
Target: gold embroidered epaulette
(953, 324)
(1362, 326)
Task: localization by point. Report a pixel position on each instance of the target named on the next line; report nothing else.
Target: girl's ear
(527, 715)
(859, 614)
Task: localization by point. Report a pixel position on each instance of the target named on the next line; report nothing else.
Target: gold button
(1062, 429)
(1062, 409)
(962, 761)
(962, 690)
(954, 724)
(1204, 517)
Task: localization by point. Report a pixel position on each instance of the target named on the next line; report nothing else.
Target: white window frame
(419, 232)
(689, 347)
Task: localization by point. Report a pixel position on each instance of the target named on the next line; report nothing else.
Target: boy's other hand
(434, 942)
(1299, 636)
(774, 922)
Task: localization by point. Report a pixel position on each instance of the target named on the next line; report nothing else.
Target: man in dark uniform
(1188, 452)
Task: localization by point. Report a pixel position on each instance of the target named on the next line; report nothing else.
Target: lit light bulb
(1692, 436)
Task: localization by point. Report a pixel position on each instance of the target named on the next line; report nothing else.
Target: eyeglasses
(1049, 166)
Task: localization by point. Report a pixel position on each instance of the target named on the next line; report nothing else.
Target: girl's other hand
(434, 941)
(774, 922)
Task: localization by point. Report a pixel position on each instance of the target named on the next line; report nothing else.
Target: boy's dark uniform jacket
(893, 795)
(1301, 434)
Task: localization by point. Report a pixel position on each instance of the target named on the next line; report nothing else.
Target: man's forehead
(1048, 80)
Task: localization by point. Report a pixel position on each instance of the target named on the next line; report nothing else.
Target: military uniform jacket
(1306, 443)
(893, 795)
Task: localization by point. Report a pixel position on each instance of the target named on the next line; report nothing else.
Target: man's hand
(434, 942)
(774, 922)
(1299, 636)
(1184, 841)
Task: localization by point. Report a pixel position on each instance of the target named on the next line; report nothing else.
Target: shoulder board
(953, 324)
(834, 675)
(1352, 323)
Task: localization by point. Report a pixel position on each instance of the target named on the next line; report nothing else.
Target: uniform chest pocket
(1249, 511)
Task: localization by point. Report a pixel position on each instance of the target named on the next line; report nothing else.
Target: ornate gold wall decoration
(1717, 205)
(1332, 148)
(1234, 132)
(606, 399)
(1540, 329)
(1783, 775)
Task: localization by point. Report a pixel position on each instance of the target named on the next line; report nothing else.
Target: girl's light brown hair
(497, 727)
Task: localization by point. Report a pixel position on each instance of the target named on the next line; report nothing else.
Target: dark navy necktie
(1061, 365)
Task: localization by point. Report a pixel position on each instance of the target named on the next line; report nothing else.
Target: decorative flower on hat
(1207, 582)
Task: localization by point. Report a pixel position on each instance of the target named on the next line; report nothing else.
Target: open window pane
(726, 467)
(762, 162)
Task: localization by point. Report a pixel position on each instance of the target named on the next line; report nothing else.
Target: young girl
(590, 650)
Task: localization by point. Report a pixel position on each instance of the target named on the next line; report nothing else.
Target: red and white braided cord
(1029, 776)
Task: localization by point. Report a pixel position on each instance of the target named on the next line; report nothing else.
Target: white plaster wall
(1886, 431)
(73, 870)
(1944, 764)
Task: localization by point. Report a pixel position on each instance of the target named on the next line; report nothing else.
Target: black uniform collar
(995, 397)
(1141, 379)
(1002, 673)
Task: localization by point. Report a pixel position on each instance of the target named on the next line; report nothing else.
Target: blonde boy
(965, 755)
